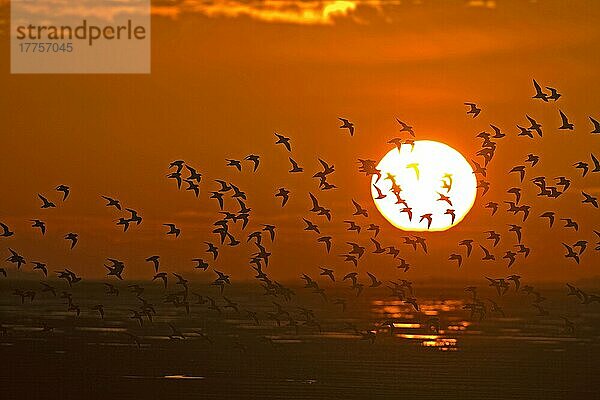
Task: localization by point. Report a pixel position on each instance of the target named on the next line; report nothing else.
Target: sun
(425, 187)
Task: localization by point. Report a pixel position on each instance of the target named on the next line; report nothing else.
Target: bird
(134, 217)
(451, 213)
(517, 192)
(517, 230)
(520, 169)
(38, 224)
(112, 202)
(374, 281)
(550, 216)
(234, 163)
(596, 124)
(428, 217)
(73, 237)
(65, 190)
(570, 253)
(310, 226)
(295, 167)
(596, 163)
(284, 194)
(380, 195)
(492, 206)
(487, 255)
(589, 199)
(193, 174)
(583, 166)
(200, 264)
(352, 226)
(445, 198)
(534, 126)
(473, 109)
(539, 93)
(45, 202)
(327, 272)
(173, 230)
(347, 125)
(284, 141)
(155, 260)
(569, 223)
(554, 95)
(408, 211)
(359, 210)
(497, 132)
(478, 168)
(415, 167)
(6, 232)
(212, 249)
(100, 309)
(456, 257)
(405, 127)
(327, 241)
(510, 256)
(468, 243)
(41, 266)
(524, 132)
(565, 122)
(533, 159)
(255, 159)
(493, 236)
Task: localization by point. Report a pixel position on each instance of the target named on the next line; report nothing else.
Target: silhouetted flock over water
(280, 306)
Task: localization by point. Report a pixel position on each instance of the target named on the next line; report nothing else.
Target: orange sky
(223, 81)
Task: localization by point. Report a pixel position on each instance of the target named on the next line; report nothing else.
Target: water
(439, 352)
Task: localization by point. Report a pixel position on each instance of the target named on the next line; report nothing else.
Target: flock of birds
(230, 231)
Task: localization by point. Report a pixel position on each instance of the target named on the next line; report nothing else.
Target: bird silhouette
(473, 110)
(347, 125)
(284, 141)
(565, 122)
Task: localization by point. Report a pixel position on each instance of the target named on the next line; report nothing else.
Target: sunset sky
(227, 75)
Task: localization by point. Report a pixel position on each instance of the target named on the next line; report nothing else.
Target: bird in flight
(173, 230)
(589, 199)
(155, 260)
(73, 237)
(451, 213)
(428, 217)
(554, 95)
(45, 202)
(65, 190)
(347, 125)
(359, 209)
(295, 167)
(550, 216)
(596, 124)
(473, 110)
(327, 241)
(112, 202)
(415, 167)
(405, 127)
(284, 194)
(456, 257)
(539, 93)
(566, 125)
(284, 141)
(380, 194)
(6, 232)
(255, 160)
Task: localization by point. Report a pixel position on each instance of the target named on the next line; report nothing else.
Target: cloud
(322, 12)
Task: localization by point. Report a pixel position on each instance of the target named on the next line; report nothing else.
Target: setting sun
(428, 186)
